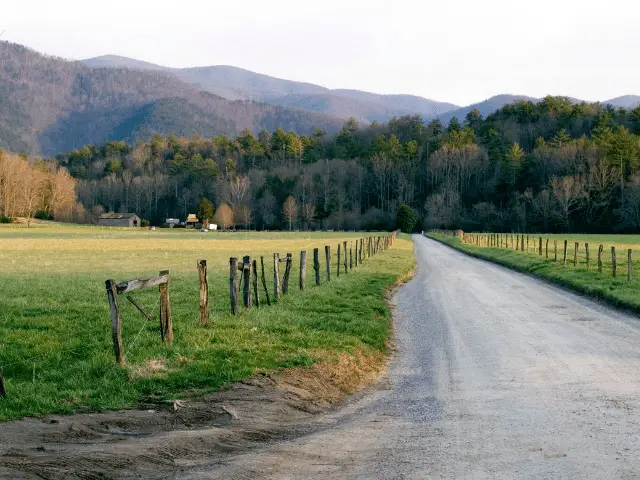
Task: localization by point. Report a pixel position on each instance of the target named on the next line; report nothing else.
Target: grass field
(56, 349)
(618, 291)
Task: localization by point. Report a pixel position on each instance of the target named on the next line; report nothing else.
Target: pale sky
(460, 51)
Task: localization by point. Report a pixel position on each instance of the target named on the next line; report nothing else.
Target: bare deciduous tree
(290, 210)
(242, 215)
(568, 191)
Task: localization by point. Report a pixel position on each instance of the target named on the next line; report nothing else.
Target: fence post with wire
(125, 288)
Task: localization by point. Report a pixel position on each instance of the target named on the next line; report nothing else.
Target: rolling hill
(49, 105)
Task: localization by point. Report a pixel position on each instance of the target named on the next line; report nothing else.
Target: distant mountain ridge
(49, 105)
(236, 83)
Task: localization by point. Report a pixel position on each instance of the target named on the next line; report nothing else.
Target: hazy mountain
(238, 84)
(49, 105)
(487, 107)
(626, 101)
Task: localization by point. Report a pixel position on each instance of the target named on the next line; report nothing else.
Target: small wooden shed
(192, 221)
(119, 220)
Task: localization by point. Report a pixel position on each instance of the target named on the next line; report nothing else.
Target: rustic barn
(119, 220)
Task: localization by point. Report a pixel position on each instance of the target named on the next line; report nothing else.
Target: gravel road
(496, 376)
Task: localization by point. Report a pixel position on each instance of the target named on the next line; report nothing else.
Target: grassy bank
(616, 291)
(56, 349)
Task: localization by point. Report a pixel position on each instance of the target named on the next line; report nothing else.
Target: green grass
(56, 349)
(617, 291)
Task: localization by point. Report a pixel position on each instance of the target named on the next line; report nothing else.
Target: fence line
(492, 240)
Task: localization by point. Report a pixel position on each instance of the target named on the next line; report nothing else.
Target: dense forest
(547, 166)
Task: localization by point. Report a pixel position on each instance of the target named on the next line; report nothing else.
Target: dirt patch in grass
(158, 440)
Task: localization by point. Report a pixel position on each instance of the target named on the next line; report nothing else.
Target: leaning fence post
(233, 284)
(246, 281)
(586, 250)
(276, 277)
(264, 281)
(613, 261)
(256, 293)
(116, 322)
(600, 258)
(303, 268)
(165, 310)
(287, 274)
(629, 265)
(564, 259)
(575, 254)
(204, 292)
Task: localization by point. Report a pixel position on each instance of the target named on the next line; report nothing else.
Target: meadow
(56, 350)
(581, 277)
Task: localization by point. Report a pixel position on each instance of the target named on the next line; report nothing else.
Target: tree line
(547, 166)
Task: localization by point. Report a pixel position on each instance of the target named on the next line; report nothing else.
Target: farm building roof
(192, 218)
(117, 216)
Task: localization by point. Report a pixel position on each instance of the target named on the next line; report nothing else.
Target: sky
(461, 51)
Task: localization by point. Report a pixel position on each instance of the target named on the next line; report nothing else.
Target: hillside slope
(49, 105)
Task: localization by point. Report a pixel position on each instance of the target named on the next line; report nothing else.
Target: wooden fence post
(303, 268)
(3, 392)
(246, 279)
(361, 250)
(356, 245)
(546, 248)
(233, 285)
(527, 243)
(555, 250)
(287, 274)
(327, 256)
(338, 264)
(165, 310)
(575, 254)
(116, 322)
(204, 292)
(540, 246)
(522, 243)
(264, 281)
(276, 277)
(345, 256)
(600, 258)
(586, 250)
(613, 261)
(629, 265)
(256, 291)
(316, 264)
(351, 256)
(564, 259)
